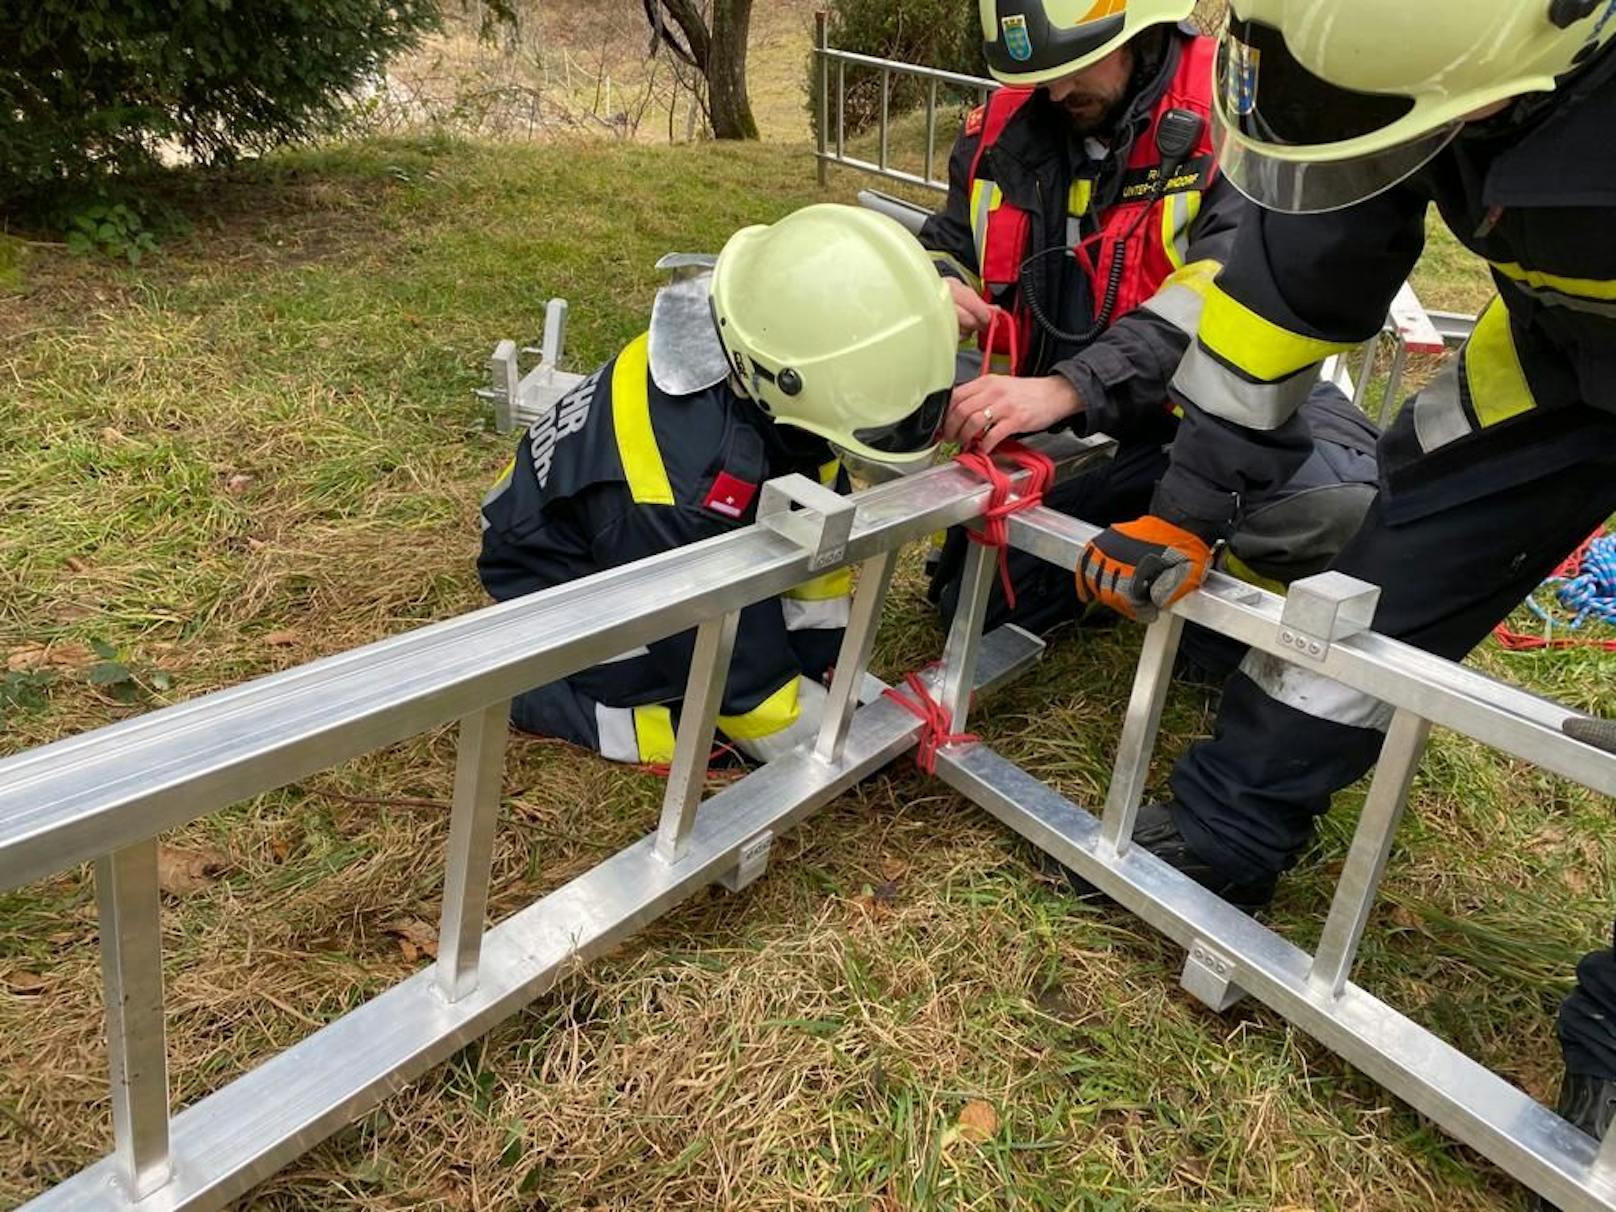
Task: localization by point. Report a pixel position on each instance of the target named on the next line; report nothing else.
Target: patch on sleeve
(730, 496)
(975, 119)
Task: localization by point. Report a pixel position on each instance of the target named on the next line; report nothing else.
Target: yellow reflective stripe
(829, 471)
(1178, 214)
(1492, 367)
(653, 733)
(836, 584)
(1079, 197)
(1261, 349)
(1603, 289)
(774, 714)
(1169, 220)
(631, 419)
(1240, 570)
(505, 474)
(986, 198)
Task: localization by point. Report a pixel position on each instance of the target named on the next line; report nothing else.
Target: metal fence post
(126, 892)
(931, 129)
(822, 139)
(698, 717)
(479, 778)
(886, 105)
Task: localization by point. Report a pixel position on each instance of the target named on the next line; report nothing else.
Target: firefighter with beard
(1086, 202)
(827, 331)
(1349, 120)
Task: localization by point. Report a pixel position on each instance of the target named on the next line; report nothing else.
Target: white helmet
(835, 320)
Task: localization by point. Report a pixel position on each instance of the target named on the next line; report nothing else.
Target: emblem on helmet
(1245, 63)
(1016, 39)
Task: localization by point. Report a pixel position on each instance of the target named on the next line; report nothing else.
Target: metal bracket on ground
(1322, 609)
(820, 527)
(751, 862)
(1209, 976)
(520, 399)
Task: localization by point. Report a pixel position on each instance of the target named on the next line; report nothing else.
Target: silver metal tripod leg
(1150, 685)
(698, 718)
(126, 893)
(1371, 846)
(479, 780)
(875, 578)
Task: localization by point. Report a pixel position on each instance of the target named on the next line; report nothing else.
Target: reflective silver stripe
(1179, 306)
(1183, 220)
(1439, 415)
(630, 655)
(615, 726)
(1314, 694)
(1550, 297)
(1215, 389)
(824, 615)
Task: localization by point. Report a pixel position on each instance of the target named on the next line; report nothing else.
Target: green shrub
(931, 33)
(90, 91)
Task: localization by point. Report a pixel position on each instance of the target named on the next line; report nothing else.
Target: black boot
(1588, 1103)
(1156, 832)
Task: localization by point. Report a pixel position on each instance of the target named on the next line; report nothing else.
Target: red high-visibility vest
(1003, 230)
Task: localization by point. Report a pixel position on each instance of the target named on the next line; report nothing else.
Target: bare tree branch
(697, 41)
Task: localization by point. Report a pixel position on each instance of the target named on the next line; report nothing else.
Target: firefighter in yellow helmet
(1349, 120)
(826, 331)
(1085, 200)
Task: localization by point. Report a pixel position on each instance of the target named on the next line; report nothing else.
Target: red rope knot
(934, 722)
(995, 529)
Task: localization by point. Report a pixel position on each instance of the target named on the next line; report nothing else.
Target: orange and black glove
(1139, 567)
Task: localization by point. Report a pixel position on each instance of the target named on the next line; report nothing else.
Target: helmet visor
(1270, 97)
(915, 433)
(1301, 189)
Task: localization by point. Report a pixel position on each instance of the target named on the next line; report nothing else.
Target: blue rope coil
(1592, 594)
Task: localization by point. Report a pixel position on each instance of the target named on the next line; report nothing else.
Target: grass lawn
(262, 447)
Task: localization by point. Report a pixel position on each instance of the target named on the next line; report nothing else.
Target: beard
(1092, 112)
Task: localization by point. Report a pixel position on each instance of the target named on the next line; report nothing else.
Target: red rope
(995, 531)
(934, 722)
(1519, 641)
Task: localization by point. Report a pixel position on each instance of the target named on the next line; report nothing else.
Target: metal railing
(831, 148)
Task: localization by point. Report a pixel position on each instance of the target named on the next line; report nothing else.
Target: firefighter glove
(1140, 567)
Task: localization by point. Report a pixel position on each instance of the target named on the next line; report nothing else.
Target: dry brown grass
(812, 1042)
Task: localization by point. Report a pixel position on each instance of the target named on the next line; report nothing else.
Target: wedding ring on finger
(987, 418)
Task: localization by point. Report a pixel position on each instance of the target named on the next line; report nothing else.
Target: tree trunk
(726, 71)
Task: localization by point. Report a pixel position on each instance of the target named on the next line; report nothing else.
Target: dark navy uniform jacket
(620, 470)
(1533, 192)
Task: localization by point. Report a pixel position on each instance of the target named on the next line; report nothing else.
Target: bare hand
(997, 407)
(972, 309)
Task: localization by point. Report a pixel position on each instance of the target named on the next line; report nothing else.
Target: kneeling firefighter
(1086, 201)
(828, 328)
(1348, 121)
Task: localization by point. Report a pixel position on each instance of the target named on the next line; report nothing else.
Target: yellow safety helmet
(1031, 42)
(1324, 103)
(835, 320)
